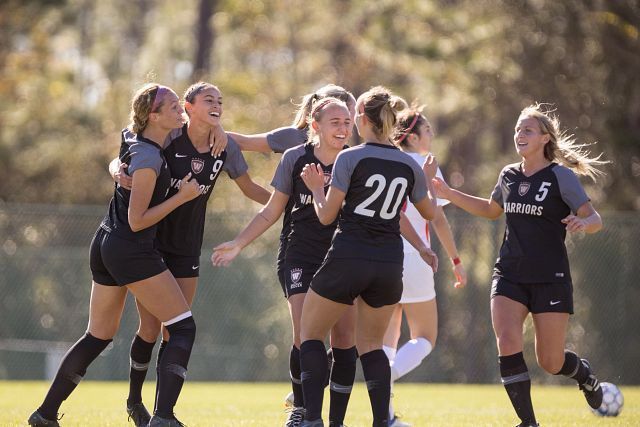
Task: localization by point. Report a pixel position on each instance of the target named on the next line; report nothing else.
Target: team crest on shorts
(327, 178)
(523, 188)
(197, 165)
(296, 274)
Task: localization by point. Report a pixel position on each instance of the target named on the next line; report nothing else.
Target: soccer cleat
(157, 421)
(288, 400)
(528, 425)
(37, 420)
(139, 414)
(295, 418)
(396, 422)
(591, 387)
(314, 423)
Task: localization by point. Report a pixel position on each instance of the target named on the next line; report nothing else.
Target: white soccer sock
(409, 357)
(390, 352)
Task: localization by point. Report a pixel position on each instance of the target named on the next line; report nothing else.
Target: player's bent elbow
(136, 224)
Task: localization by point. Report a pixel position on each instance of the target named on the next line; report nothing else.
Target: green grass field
(261, 404)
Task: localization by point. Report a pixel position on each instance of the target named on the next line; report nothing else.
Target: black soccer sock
(70, 373)
(343, 374)
(574, 368)
(329, 366)
(294, 373)
(313, 364)
(173, 365)
(139, 364)
(515, 378)
(377, 374)
(163, 345)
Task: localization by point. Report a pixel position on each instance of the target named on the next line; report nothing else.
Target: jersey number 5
(396, 188)
(543, 191)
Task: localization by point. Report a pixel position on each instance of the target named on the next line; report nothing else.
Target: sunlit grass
(261, 404)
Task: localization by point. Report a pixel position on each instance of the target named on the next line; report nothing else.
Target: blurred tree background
(69, 67)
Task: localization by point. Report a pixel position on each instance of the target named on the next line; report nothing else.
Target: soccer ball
(612, 401)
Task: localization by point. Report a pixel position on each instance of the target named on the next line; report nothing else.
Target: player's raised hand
(224, 253)
(189, 188)
(461, 276)
(313, 176)
(442, 188)
(218, 140)
(574, 223)
(122, 178)
(430, 166)
(430, 257)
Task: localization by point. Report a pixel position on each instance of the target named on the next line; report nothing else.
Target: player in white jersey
(413, 136)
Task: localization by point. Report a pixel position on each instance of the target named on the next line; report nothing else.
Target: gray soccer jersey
(377, 179)
(533, 249)
(281, 139)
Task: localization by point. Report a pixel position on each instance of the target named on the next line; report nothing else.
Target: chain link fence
(244, 331)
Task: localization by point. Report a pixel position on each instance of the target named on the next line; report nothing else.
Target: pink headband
(322, 104)
(160, 93)
(408, 131)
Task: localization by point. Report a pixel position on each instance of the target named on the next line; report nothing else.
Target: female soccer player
(365, 258)
(413, 136)
(180, 233)
(307, 243)
(542, 200)
(123, 258)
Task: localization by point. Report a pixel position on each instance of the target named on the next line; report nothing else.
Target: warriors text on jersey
(182, 230)
(139, 153)
(377, 179)
(308, 240)
(533, 249)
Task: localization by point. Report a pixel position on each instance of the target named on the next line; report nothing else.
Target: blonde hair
(381, 107)
(141, 106)
(562, 147)
(317, 111)
(304, 108)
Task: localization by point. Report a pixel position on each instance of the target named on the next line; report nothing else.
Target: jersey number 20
(389, 208)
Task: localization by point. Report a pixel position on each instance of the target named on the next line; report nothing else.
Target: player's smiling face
(528, 137)
(170, 114)
(335, 126)
(421, 142)
(206, 107)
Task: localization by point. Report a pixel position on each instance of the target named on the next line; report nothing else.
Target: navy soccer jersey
(182, 230)
(533, 249)
(377, 179)
(308, 240)
(139, 153)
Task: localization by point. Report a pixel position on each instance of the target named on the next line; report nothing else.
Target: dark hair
(193, 90)
(407, 122)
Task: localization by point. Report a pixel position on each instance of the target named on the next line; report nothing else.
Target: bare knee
(550, 362)
(149, 330)
(509, 341)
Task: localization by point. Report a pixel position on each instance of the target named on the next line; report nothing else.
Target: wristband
(456, 261)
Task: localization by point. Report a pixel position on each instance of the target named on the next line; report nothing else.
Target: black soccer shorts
(344, 279)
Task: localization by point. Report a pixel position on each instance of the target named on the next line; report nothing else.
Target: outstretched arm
(224, 253)
(252, 190)
(487, 208)
(256, 142)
